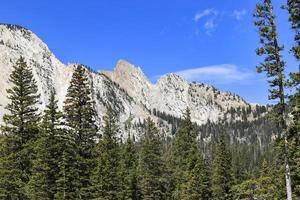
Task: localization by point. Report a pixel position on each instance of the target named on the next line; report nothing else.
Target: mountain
(126, 88)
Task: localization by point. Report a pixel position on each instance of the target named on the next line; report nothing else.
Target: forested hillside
(73, 133)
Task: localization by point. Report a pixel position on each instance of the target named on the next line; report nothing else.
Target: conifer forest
(70, 154)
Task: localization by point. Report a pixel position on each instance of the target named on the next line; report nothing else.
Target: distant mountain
(126, 89)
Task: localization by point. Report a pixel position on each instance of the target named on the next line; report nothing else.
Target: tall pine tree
(182, 143)
(80, 117)
(48, 146)
(273, 66)
(20, 129)
(293, 6)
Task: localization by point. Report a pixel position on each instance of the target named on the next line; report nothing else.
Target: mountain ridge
(126, 88)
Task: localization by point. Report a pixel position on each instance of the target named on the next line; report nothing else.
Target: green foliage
(67, 182)
(222, 179)
(197, 185)
(268, 185)
(128, 170)
(80, 117)
(294, 143)
(293, 6)
(151, 163)
(272, 65)
(47, 148)
(182, 143)
(21, 129)
(106, 179)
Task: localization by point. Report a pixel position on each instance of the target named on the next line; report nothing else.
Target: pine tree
(80, 117)
(150, 163)
(266, 186)
(274, 66)
(128, 170)
(67, 182)
(222, 179)
(47, 148)
(294, 141)
(197, 176)
(42, 182)
(20, 129)
(181, 147)
(167, 178)
(293, 6)
(105, 177)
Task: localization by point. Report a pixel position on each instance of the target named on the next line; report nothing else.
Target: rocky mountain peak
(126, 71)
(126, 87)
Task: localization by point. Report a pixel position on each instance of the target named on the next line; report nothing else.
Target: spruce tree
(268, 185)
(150, 163)
(168, 179)
(80, 118)
(273, 66)
(293, 6)
(294, 141)
(20, 129)
(197, 176)
(67, 182)
(222, 179)
(181, 147)
(105, 177)
(128, 170)
(47, 148)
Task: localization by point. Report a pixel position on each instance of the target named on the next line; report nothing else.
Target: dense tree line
(61, 155)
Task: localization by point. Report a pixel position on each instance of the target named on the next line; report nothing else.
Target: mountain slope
(126, 88)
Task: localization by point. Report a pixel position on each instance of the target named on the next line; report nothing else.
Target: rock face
(126, 88)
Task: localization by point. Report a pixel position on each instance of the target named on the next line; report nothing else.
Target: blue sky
(210, 41)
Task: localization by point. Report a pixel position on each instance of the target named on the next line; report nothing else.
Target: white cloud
(219, 74)
(239, 14)
(210, 23)
(206, 12)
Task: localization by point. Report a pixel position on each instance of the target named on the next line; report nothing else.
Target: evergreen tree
(105, 177)
(67, 183)
(47, 148)
(181, 147)
(293, 6)
(168, 179)
(294, 141)
(150, 163)
(266, 186)
(222, 179)
(80, 117)
(274, 66)
(197, 176)
(128, 171)
(20, 129)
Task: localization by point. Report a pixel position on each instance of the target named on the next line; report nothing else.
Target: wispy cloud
(206, 12)
(210, 16)
(219, 74)
(210, 25)
(239, 14)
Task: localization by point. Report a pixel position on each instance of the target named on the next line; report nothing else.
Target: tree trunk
(287, 171)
